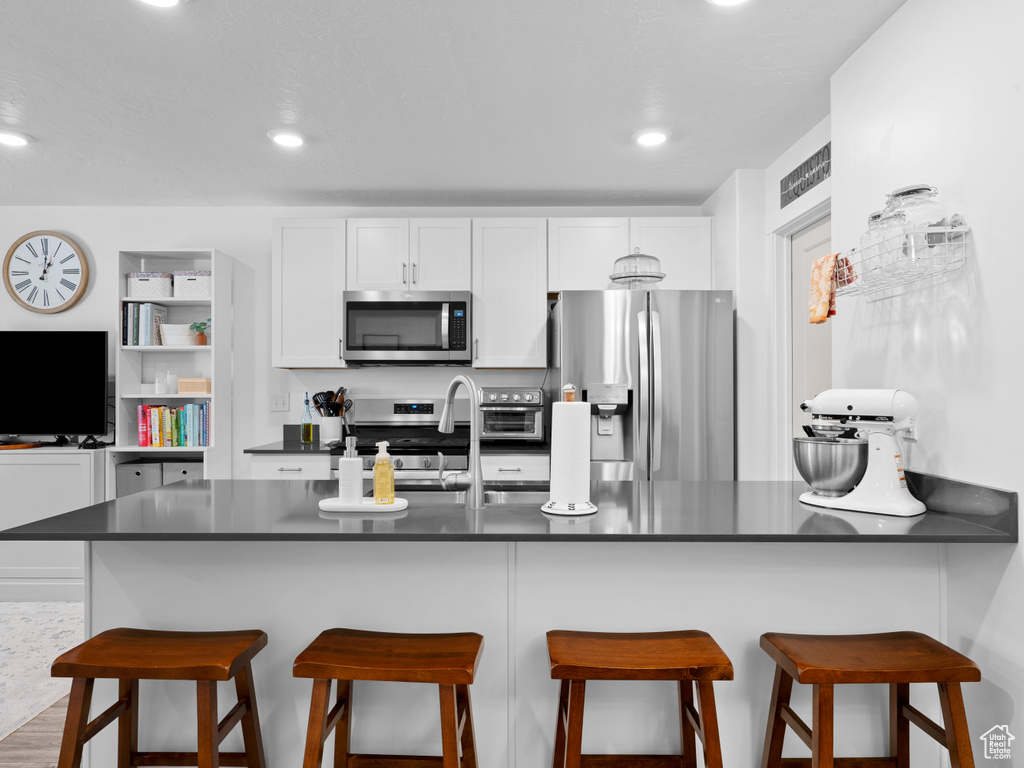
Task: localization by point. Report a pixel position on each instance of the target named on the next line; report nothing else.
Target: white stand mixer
(880, 415)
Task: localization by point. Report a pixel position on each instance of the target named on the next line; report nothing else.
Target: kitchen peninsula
(733, 558)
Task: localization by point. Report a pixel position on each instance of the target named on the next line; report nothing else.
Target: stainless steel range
(414, 442)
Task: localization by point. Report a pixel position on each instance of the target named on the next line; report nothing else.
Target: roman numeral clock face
(46, 272)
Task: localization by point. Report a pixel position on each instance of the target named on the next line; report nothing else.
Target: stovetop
(407, 440)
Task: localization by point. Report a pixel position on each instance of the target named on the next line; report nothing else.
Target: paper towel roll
(570, 460)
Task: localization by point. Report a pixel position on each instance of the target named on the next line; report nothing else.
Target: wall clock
(46, 272)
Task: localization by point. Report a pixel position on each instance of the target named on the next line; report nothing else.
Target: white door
(582, 252)
(682, 244)
(509, 293)
(307, 281)
(812, 344)
(378, 255)
(440, 255)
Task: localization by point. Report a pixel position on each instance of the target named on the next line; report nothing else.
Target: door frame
(780, 247)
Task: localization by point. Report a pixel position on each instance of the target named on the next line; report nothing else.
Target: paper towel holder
(569, 508)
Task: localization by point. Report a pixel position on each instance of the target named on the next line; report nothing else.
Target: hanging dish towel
(828, 273)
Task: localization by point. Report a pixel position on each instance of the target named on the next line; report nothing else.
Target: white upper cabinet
(307, 281)
(582, 251)
(408, 255)
(440, 255)
(682, 245)
(509, 293)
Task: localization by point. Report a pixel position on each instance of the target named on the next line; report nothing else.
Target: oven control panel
(407, 408)
(514, 396)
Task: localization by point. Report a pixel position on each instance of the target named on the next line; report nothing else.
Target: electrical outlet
(279, 402)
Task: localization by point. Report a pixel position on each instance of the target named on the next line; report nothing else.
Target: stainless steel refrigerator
(657, 369)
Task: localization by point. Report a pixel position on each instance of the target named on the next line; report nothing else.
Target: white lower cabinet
(509, 293)
(37, 484)
(284, 466)
(515, 468)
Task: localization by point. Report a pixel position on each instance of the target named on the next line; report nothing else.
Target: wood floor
(37, 743)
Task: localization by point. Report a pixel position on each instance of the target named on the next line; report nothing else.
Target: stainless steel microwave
(411, 328)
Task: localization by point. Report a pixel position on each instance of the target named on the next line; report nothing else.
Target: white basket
(172, 335)
(192, 285)
(149, 285)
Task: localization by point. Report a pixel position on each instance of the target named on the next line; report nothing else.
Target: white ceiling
(409, 102)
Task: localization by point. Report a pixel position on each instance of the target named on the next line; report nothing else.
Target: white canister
(330, 429)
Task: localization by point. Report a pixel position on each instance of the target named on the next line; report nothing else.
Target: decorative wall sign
(809, 174)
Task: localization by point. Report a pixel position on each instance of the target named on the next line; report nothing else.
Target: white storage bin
(149, 285)
(192, 285)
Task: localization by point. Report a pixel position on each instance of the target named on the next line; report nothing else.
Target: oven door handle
(444, 325)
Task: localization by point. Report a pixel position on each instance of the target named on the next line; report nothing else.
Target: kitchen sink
(517, 497)
(490, 497)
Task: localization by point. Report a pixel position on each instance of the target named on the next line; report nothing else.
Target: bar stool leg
(574, 726)
(954, 718)
(449, 727)
(76, 722)
(782, 690)
(560, 725)
(128, 723)
(709, 725)
(899, 725)
(822, 750)
(468, 740)
(206, 706)
(316, 730)
(687, 736)
(343, 730)
(251, 736)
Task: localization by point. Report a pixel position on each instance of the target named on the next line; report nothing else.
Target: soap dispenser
(350, 474)
(383, 476)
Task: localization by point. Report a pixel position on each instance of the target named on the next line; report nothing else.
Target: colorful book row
(184, 426)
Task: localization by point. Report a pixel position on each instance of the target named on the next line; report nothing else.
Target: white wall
(935, 96)
(245, 235)
(739, 265)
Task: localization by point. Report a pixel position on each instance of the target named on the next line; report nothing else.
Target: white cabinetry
(501, 468)
(408, 255)
(37, 484)
(307, 281)
(288, 466)
(509, 293)
(682, 245)
(140, 367)
(582, 252)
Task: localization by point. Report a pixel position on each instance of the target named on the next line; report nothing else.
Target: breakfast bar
(734, 559)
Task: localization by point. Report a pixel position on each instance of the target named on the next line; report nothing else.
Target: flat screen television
(53, 383)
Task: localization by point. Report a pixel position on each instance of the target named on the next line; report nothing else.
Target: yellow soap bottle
(383, 476)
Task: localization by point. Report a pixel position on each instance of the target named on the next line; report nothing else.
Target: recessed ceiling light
(13, 139)
(650, 137)
(727, 2)
(164, 3)
(286, 138)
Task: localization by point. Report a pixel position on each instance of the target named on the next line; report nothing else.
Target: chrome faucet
(473, 478)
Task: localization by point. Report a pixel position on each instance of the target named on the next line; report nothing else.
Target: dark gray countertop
(286, 510)
(291, 448)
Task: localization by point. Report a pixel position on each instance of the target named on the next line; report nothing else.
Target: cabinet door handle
(404, 267)
(289, 469)
(476, 349)
(510, 469)
(341, 349)
(414, 280)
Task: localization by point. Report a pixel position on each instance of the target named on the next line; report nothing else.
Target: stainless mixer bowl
(831, 467)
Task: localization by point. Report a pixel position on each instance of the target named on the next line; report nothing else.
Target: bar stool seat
(130, 655)
(894, 658)
(346, 655)
(690, 657)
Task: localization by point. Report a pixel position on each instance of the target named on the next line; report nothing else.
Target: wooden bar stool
(689, 657)
(895, 658)
(130, 655)
(346, 655)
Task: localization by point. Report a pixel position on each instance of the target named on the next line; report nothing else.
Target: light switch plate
(279, 401)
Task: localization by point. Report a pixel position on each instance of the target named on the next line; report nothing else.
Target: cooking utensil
(831, 467)
(320, 400)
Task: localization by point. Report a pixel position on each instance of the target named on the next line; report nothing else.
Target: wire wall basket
(912, 254)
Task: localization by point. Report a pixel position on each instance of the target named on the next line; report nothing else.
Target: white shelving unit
(139, 364)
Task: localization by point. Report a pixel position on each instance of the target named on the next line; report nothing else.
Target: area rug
(32, 635)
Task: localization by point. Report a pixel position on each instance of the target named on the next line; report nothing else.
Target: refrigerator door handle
(657, 404)
(642, 442)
